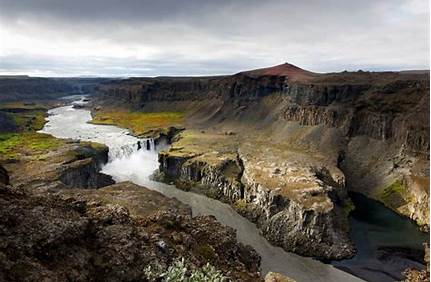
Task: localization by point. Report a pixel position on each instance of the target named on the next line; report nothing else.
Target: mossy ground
(25, 105)
(139, 122)
(31, 120)
(12, 145)
(28, 118)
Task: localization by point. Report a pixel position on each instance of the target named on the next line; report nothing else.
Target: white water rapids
(129, 164)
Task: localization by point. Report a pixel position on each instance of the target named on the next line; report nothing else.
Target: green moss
(24, 105)
(139, 122)
(206, 251)
(94, 145)
(395, 195)
(14, 144)
(240, 204)
(397, 187)
(31, 120)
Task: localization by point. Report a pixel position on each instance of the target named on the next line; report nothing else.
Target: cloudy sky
(197, 37)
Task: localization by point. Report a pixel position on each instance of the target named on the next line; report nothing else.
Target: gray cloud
(133, 37)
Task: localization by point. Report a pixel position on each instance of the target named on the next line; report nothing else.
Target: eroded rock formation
(298, 202)
(367, 132)
(73, 164)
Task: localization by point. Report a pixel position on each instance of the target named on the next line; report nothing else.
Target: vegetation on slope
(23, 139)
(27, 143)
(139, 122)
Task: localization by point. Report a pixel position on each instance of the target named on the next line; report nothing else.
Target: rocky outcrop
(300, 204)
(80, 238)
(309, 220)
(72, 165)
(414, 275)
(383, 111)
(84, 172)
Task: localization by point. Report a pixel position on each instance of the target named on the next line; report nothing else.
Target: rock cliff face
(299, 203)
(84, 173)
(382, 106)
(372, 126)
(297, 206)
(73, 164)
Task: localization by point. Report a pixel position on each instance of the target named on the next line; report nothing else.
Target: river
(129, 164)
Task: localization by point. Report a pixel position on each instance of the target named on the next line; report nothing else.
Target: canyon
(282, 146)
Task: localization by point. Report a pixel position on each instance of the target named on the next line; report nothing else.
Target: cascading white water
(126, 150)
(131, 164)
(122, 151)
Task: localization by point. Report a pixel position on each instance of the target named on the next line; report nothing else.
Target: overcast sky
(197, 37)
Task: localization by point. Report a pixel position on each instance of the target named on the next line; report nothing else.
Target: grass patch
(139, 122)
(23, 106)
(12, 145)
(32, 120)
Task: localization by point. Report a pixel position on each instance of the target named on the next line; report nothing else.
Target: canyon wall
(21, 88)
(373, 126)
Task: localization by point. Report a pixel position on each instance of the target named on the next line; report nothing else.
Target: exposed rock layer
(298, 204)
(73, 164)
(374, 125)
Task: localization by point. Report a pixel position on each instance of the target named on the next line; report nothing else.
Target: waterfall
(126, 150)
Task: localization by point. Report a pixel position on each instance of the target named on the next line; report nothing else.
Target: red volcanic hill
(291, 71)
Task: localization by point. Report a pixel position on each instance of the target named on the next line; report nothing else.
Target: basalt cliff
(284, 146)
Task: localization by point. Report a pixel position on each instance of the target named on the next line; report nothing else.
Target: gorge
(283, 146)
(278, 154)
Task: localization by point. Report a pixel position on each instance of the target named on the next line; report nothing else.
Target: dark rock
(4, 177)
(46, 238)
